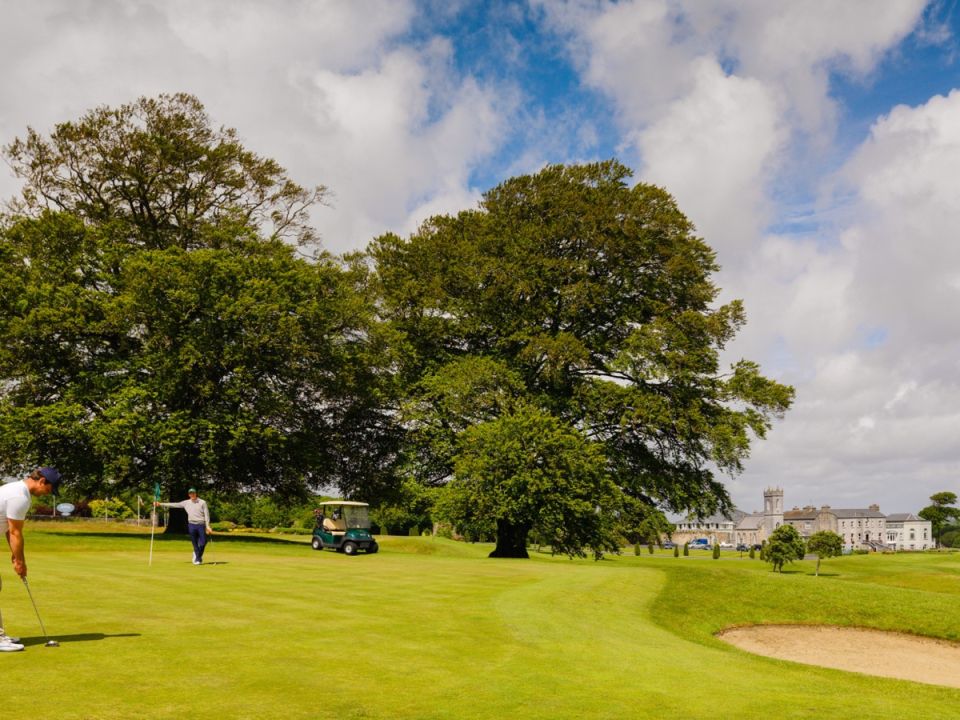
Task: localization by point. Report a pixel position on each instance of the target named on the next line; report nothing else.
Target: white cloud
(712, 148)
(728, 105)
(882, 421)
(329, 89)
(389, 162)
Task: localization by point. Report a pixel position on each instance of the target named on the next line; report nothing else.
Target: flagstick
(153, 527)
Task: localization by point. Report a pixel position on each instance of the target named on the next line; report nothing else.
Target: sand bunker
(873, 652)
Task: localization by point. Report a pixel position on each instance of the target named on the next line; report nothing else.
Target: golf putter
(49, 643)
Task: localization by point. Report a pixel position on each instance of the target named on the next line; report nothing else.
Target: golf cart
(344, 526)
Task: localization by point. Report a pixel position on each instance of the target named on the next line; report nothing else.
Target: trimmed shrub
(650, 548)
(716, 551)
(110, 508)
(686, 549)
(676, 551)
(753, 552)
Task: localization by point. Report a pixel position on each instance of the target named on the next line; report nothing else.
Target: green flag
(156, 492)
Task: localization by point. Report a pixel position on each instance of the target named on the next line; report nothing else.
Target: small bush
(753, 552)
(414, 531)
(686, 549)
(111, 508)
(716, 551)
(223, 526)
(676, 551)
(266, 513)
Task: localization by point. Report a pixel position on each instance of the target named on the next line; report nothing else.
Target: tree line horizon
(545, 364)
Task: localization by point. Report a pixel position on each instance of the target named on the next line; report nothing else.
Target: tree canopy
(549, 360)
(784, 546)
(152, 329)
(940, 513)
(824, 544)
(591, 301)
(161, 174)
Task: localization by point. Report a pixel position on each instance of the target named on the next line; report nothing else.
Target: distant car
(669, 545)
(700, 543)
(742, 548)
(758, 547)
(726, 546)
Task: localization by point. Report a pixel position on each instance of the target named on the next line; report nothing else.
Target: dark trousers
(198, 536)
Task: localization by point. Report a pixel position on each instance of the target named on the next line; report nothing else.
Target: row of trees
(785, 545)
(548, 363)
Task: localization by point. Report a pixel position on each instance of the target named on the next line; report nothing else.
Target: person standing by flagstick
(198, 521)
(15, 499)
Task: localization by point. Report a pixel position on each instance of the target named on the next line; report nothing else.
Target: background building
(860, 528)
(905, 531)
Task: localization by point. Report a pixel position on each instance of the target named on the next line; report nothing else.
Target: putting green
(426, 628)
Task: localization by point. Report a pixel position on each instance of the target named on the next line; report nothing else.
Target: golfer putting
(15, 500)
(198, 521)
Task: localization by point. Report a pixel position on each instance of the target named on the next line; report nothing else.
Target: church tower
(772, 509)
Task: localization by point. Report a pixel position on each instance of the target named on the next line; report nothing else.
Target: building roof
(717, 518)
(904, 517)
(750, 522)
(848, 513)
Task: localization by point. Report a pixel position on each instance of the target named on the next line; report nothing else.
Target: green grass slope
(429, 628)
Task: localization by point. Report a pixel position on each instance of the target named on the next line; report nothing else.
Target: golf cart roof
(345, 502)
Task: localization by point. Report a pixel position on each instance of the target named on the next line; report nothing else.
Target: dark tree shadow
(218, 538)
(83, 637)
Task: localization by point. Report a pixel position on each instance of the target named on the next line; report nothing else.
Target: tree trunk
(816, 573)
(177, 518)
(511, 540)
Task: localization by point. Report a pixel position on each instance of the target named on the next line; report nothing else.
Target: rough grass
(429, 628)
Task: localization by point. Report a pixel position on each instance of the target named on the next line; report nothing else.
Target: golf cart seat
(331, 525)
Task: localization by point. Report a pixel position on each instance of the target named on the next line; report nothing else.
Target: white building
(716, 528)
(860, 528)
(739, 528)
(905, 531)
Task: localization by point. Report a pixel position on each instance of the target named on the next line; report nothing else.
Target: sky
(815, 145)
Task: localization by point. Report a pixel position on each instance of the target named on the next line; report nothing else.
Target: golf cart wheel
(372, 548)
(317, 544)
(349, 548)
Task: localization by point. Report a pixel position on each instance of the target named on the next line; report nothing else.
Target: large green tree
(159, 171)
(940, 512)
(824, 544)
(592, 301)
(527, 471)
(785, 545)
(196, 350)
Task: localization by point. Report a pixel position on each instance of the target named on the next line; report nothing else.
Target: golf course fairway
(431, 628)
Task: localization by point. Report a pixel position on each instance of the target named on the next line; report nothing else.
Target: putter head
(51, 643)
